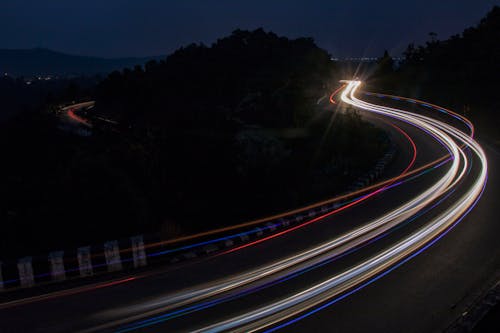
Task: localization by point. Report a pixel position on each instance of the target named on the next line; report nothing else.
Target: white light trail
(450, 137)
(445, 135)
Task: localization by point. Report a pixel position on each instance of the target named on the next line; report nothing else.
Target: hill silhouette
(209, 136)
(254, 76)
(460, 72)
(41, 61)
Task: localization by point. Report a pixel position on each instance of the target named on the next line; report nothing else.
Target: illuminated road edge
(347, 282)
(371, 268)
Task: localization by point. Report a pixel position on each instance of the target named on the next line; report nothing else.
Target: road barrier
(57, 265)
(25, 268)
(85, 261)
(112, 255)
(138, 252)
(135, 252)
(372, 175)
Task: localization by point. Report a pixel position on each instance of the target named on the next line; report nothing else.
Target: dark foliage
(242, 76)
(208, 137)
(461, 72)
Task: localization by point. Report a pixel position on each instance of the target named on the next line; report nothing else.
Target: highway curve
(408, 258)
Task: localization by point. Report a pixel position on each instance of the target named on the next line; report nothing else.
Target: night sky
(116, 28)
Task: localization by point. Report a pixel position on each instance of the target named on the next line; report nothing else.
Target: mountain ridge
(43, 61)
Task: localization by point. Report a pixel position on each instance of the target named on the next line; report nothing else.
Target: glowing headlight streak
(77, 118)
(70, 111)
(297, 271)
(318, 254)
(282, 215)
(455, 115)
(335, 93)
(371, 268)
(382, 186)
(413, 207)
(204, 292)
(344, 207)
(351, 240)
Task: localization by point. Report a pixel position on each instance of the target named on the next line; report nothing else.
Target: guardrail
(368, 178)
(136, 252)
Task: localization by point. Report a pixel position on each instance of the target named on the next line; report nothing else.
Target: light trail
(340, 285)
(338, 210)
(67, 292)
(335, 93)
(291, 212)
(308, 259)
(455, 115)
(384, 185)
(318, 262)
(373, 267)
(318, 254)
(329, 201)
(387, 184)
(70, 111)
(77, 118)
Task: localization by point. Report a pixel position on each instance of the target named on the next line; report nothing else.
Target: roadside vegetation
(460, 72)
(210, 136)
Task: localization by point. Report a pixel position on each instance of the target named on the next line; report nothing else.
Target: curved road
(331, 275)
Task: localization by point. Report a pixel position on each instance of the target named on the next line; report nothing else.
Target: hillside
(255, 77)
(460, 72)
(196, 138)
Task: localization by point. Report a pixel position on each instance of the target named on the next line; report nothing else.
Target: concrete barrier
(369, 178)
(190, 255)
(210, 248)
(25, 269)
(271, 226)
(138, 252)
(84, 261)
(112, 256)
(174, 260)
(284, 222)
(139, 257)
(57, 265)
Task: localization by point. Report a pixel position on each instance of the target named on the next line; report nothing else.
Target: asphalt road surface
(231, 291)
